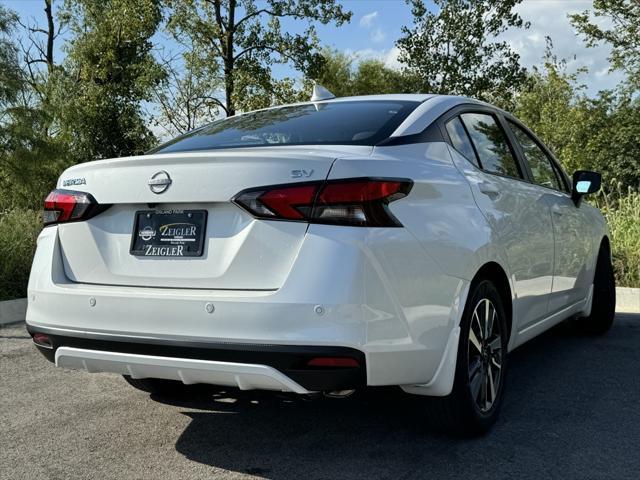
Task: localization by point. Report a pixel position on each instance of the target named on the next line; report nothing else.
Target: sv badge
(302, 173)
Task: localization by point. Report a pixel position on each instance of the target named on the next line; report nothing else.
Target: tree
(10, 74)
(601, 133)
(623, 33)
(109, 71)
(43, 49)
(455, 51)
(345, 76)
(28, 153)
(186, 97)
(244, 38)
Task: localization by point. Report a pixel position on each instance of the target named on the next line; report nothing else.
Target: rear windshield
(338, 123)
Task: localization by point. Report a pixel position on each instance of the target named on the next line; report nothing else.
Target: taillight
(62, 206)
(361, 202)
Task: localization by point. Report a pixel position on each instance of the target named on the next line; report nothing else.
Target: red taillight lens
(290, 202)
(359, 202)
(69, 206)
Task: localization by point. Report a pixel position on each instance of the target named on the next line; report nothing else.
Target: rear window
(339, 123)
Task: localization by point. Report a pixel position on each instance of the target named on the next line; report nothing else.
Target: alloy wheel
(485, 355)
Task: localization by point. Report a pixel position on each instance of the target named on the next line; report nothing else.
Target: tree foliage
(84, 108)
(10, 73)
(623, 33)
(601, 133)
(28, 155)
(108, 72)
(345, 76)
(455, 50)
(186, 98)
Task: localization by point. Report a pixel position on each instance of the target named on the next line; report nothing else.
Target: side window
(491, 144)
(460, 140)
(543, 172)
(565, 185)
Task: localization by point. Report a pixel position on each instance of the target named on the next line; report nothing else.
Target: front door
(571, 278)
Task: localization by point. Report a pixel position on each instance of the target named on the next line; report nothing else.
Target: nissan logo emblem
(159, 182)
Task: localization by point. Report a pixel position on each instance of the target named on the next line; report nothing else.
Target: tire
(472, 408)
(161, 387)
(603, 308)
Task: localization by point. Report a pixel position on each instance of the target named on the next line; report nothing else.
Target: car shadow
(567, 404)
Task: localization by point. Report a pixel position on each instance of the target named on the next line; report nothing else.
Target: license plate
(168, 233)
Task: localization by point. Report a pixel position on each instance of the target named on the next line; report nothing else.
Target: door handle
(557, 210)
(489, 188)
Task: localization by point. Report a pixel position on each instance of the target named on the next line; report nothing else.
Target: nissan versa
(409, 240)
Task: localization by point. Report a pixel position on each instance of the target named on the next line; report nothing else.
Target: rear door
(571, 279)
(517, 211)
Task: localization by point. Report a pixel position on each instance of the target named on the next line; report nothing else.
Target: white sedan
(408, 240)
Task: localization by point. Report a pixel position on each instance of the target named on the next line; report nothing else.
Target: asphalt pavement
(572, 410)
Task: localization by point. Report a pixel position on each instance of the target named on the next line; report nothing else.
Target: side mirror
(584, 183)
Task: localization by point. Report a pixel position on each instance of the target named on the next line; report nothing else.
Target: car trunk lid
(239, 252)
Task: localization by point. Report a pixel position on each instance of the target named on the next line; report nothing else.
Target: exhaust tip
(339, 393)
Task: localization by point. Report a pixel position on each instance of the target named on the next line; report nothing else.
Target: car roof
(407, 97)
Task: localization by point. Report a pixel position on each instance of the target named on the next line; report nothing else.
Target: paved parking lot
(572, 410)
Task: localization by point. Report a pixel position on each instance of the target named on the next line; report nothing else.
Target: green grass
(622, 211)
(19, 230)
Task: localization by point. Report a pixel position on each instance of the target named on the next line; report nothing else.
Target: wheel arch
(494, 272)
(442, 382)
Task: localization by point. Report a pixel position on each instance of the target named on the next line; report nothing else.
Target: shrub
(623, 216)
(19, 230)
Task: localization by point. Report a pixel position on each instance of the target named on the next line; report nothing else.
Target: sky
(377, 24)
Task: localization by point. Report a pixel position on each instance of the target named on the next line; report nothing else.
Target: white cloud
(367, 20)
(370, 22)
(388, 56)
(378, 35)
(550, 18)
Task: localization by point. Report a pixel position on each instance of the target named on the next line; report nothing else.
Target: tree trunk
(51, 35)
(229, 61)
(229, 87)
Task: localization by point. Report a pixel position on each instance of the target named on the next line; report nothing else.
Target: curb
(628, 300)
(13, 311)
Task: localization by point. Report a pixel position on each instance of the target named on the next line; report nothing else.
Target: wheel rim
(485, 355)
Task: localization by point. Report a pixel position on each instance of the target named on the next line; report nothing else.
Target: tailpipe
(338, 393)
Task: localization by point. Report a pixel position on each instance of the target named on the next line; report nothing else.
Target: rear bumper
(376, 293)
(267, 367)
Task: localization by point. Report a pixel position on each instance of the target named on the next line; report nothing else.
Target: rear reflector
(42, 340)
(361, 202)
(333, 362)
(62, 206)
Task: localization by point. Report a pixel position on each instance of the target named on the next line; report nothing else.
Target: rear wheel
(160, 386)
(603, 308)
(473, 405)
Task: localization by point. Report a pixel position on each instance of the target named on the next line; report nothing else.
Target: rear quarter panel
(423, 279)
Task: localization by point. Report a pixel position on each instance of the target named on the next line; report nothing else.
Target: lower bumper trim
(189, 371)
